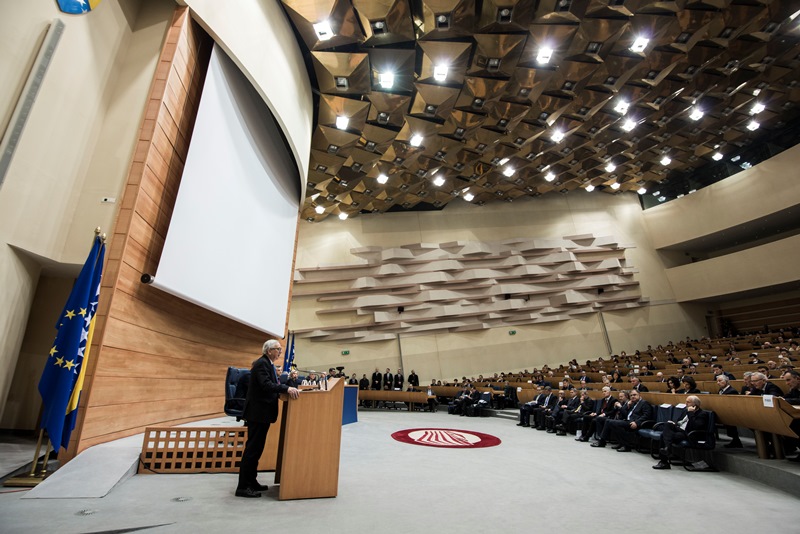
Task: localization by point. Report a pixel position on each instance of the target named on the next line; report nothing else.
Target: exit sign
(345, 352)
(512, 332)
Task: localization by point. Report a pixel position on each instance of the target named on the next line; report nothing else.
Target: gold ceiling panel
(433, 101)
(333, 107)
(496, 55)
(388, 109)
(446, 19)
(342, 73)
(385, 21)
(324, 24)
(500, 16)
(497, 94)
(398, 63)
(452, 57)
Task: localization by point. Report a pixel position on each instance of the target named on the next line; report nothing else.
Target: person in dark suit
(398, 380)
(413, 379)
(541, 411)
(621, 430)
(260, 410)
(695, 419)
(637, 385)
(526, 409)
(572, 418)
(725, 388)
(377, 380)
(388, 379)
(762, 386)
(554, 423)
(607, 409)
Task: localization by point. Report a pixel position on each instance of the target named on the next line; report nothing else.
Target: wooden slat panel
(132, 389)
(122, 363)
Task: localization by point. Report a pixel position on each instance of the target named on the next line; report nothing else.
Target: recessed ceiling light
(610, 167)
(549, 176)
(342, 122)
(641, 191)
(544, 55)
(717, 156)
(629, 125)
(509, 171)
(503, 161)
(382, 178)
(440, 73)
(622, 107)
(639, 44)
(590, 188)
(416, 140)
(696, 114)
(323, 30)
(753, 125)
(666, 160)
(438, 181)
(557, 136)
(615, 186)
(757, 108)
(468, 197)
(320, 209)
(386, 79)
(343, 216)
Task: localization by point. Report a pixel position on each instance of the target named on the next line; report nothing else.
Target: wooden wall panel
(156, 359)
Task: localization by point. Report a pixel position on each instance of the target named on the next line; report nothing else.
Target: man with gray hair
(676, 431)
(762, 386)
(260, 410)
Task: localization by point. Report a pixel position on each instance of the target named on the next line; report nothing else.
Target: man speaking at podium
(260, 410)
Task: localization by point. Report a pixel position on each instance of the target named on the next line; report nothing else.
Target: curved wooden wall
(156, 359)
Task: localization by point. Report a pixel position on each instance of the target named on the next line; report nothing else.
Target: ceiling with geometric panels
(424, 101)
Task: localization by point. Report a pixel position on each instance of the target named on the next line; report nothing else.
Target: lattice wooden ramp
(192, 449)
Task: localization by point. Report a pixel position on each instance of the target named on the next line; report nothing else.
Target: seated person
(571, 419)
(623, 430)
(762, 386)
(526, 409)
(607, 409)
(688, 386)
(695, 419)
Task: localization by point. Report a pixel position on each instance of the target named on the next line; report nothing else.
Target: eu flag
(289, 358)
(77, 7)
(62, 380)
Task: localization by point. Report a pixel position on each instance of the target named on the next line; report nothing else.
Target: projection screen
(230, 243)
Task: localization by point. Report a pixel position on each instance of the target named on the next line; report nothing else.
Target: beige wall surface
(75, 148)
(766, 188)
(758, 267)
(456, 354)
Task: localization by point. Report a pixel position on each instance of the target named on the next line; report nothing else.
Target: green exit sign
(512, 332)
(345, 352)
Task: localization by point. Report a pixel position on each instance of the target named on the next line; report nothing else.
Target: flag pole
(33, 478)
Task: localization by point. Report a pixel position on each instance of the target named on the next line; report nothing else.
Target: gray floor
(388, 486)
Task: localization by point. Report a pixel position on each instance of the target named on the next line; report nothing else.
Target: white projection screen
(230, 243)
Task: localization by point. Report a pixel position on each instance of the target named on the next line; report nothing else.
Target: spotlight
(639, 44)
(468, 197)
(615, 186)
(610, 167)
(696, 114)
(342, 216)
(438, 181)
(320, 209)
(386, 80)
(544, 55)
(416, 140)
(557, 136)
(717, 156)
(590, 188)
(622, 107)
(440, 73)
(549, 176)
(666, 161)
(342, 122)
(382, 178)
(753, 125)
(641, 191)
(323, 30)
(148, 278)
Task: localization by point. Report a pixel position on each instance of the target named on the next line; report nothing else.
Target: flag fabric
(77, 7)
(289, 358)
(62, 380)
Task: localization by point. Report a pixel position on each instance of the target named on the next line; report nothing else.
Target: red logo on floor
(446, 437)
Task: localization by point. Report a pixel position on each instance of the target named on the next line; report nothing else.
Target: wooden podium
(309, 443)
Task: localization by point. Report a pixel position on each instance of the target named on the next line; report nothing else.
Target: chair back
(234, 392)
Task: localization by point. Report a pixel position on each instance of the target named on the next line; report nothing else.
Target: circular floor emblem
(446, 437)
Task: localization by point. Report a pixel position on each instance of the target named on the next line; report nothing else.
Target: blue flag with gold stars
(77, 7)
(62, 380)
(288, 359)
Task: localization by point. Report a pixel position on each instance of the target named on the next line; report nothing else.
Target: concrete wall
(453, 355)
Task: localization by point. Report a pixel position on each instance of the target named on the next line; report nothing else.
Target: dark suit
(769, 389)
(377, 380)
(388, 381)
(260, 410)
(606, 408)
(621, 429)
(641, 388)
(398, 381)
(696, 420)
(413, 379)
(539, 412)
